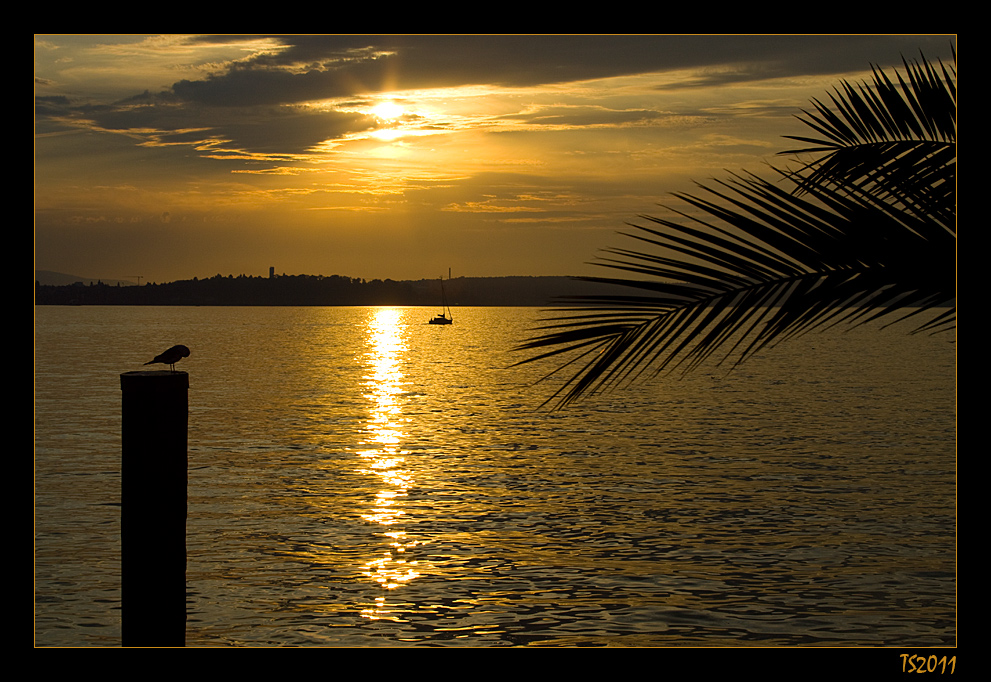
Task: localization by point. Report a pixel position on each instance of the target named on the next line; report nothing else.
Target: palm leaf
(867, 232)
(889, 143)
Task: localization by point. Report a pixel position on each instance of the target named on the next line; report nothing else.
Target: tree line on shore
(319, 290)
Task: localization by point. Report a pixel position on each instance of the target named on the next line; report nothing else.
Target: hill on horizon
(515, 290)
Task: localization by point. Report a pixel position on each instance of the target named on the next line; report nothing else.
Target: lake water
(358, 477)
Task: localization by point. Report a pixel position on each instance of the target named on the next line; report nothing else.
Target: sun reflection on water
(383, 455)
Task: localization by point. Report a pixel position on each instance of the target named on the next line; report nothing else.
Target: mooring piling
(155, 415)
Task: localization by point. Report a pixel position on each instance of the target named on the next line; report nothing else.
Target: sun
(388, 110)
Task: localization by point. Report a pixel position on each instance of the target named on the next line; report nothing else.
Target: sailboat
(446, 316)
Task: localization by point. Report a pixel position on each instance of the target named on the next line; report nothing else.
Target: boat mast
(443, 297)
(450, 314)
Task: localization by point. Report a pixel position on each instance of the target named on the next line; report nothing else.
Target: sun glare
(388, 110)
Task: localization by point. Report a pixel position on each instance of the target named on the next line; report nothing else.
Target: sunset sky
(177, 156)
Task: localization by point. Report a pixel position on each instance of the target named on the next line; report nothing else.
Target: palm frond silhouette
(864, 230)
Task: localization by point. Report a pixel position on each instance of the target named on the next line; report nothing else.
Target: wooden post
(155, 409)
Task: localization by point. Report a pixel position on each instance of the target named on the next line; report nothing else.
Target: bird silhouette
(171, 356)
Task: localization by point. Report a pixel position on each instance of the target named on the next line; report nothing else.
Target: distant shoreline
(319, 290)
(334, 290)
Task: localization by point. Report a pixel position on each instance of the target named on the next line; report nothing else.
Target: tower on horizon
(271, 272)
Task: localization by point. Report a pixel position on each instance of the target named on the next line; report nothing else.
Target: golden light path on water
(384, 456)
(361, 478)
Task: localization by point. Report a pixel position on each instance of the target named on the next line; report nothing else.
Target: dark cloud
(163, 119)
(50, 106)
(246, 103)
(320, 67)
(292, 132)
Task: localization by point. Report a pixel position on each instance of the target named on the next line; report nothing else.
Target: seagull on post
(171, 356)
